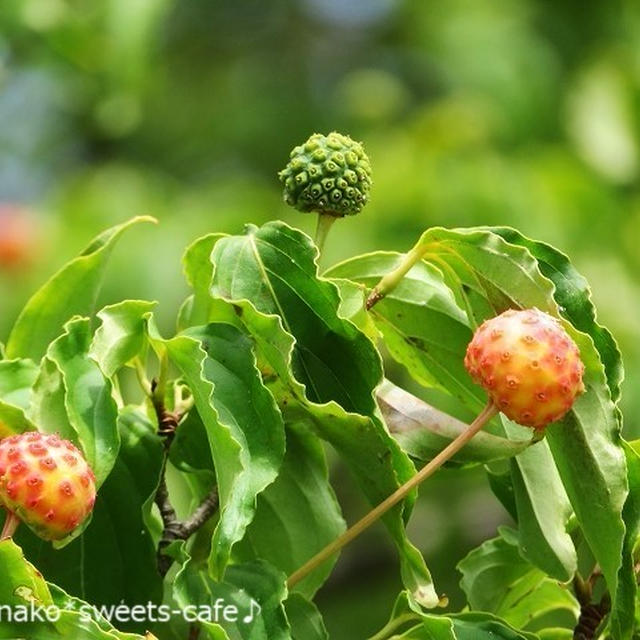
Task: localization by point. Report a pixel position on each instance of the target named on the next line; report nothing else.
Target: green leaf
(273, 266)
(247, 605)
(352, 307)
(121, 335)
(23, 587)
(190, 450)
(297, 514)
(13, 420)
(305, 619)
(543, 511)
(20, 580)
(623, 611)
(115, 558)
(461, 626)
(465, 627)
(423, 431)
(71, 291)
(244, 425)
(198, 271)
(555, 634)
(326, 368)
(16, 379)
(489, 571)
(72, 397)
(484, 626)
(497, 579)
(75, 622)
(586, 451)
(501, 483)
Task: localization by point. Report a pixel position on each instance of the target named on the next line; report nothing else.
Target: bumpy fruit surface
(327, 174)
(528, 364)
(46, 482)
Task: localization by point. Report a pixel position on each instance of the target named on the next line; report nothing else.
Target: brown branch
(167, 512)
(591, 617)
(167, 420)
(591, 614)
(198, 518)
(174, 529)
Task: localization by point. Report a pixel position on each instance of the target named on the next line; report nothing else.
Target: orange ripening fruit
(46, 482)
(528, 365)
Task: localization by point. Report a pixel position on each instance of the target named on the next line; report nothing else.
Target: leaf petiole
(391, 280)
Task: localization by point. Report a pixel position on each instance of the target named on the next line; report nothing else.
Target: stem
(200, 516)
(175, 529)
(393, 625)
(583, 590)
(167, 420)
(10, 526)
(391, 280)
(325, 222)
(350, 534)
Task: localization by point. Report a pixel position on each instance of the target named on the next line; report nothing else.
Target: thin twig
(175, 529)
(168, 513)
(198, 518)
(168, 421)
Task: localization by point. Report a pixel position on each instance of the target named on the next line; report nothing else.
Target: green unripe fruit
(330, 175)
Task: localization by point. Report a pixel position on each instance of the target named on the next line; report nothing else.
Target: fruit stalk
(353, 532)
(325, 222)
(10, 526)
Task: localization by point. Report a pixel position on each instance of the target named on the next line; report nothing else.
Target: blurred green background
(516, 112)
